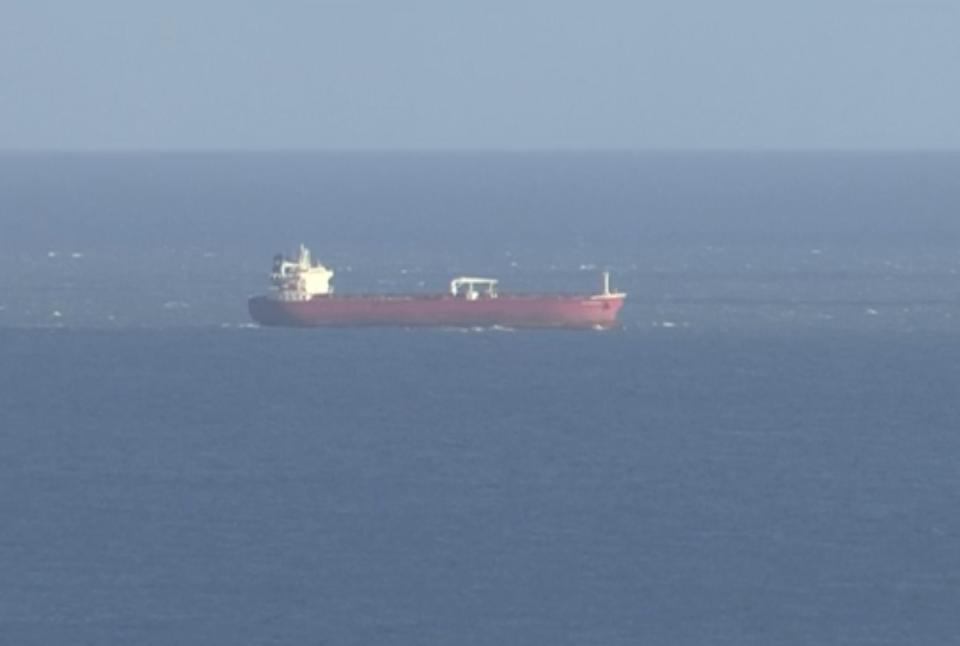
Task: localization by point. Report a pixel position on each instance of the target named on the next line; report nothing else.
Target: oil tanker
(302, 296)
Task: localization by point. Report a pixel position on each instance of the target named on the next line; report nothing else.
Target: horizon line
(474, 151)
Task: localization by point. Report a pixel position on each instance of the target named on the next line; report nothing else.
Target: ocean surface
(767, 452)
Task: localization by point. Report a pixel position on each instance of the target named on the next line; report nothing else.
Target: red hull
(561, 311)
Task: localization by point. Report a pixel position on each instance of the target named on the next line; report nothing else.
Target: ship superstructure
(299, 278)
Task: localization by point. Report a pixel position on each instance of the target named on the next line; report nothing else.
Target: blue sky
(517, 75)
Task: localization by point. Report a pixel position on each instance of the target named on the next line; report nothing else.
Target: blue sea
(767, 452)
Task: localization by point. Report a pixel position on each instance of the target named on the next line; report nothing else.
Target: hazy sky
(517, 74)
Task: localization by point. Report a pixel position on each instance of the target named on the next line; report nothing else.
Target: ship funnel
(606, 283)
